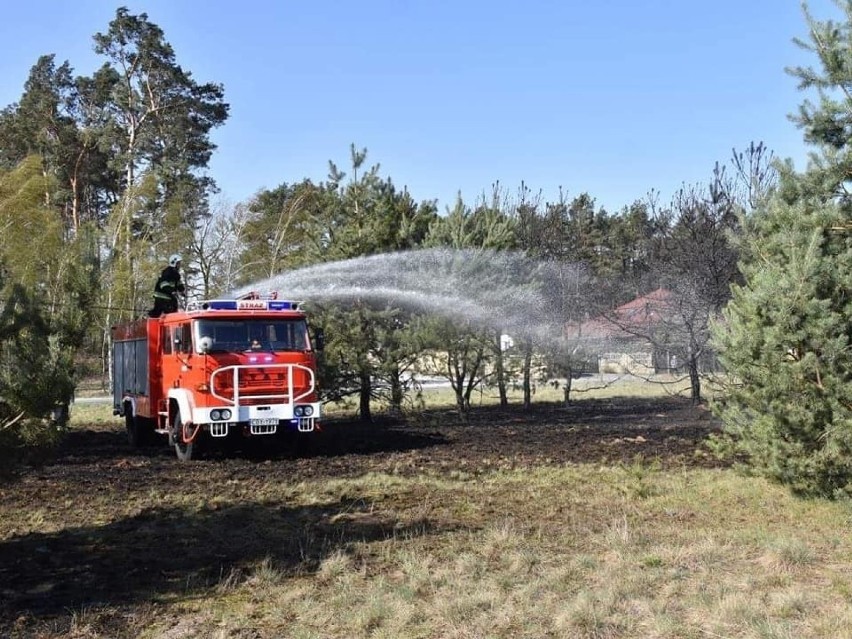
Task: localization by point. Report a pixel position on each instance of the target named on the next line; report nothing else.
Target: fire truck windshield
(261, 334)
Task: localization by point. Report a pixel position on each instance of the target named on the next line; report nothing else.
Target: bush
(36, 381)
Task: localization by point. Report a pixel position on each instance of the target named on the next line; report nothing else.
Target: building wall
(637, 363)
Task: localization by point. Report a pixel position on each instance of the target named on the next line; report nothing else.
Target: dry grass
(589, 551)
(570, 552)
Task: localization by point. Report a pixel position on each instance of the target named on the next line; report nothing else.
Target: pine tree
(785, 336)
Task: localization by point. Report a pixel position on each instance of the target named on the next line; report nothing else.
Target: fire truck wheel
(183, 450)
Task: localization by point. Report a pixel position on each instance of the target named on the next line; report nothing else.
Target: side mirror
(205, 344)
(319, 339)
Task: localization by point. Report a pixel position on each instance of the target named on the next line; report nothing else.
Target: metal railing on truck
(287, 397)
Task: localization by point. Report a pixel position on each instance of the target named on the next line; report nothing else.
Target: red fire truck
(222, 369)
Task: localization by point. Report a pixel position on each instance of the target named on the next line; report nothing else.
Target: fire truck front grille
(263, 380)
(247, 390)
(262, 385)
(263, 398)
(251, 382)
(253, 401)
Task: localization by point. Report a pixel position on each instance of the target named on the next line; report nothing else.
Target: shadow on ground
(338, 438)
(165, 551)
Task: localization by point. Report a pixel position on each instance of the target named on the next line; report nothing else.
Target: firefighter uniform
(167, 287)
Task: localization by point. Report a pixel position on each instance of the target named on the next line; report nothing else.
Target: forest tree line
(103, 176)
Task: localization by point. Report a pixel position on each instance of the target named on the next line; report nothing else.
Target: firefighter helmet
(174, 260)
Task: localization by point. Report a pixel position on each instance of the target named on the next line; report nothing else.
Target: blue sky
(613, 97)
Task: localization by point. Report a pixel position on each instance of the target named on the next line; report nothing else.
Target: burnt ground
(101, 527)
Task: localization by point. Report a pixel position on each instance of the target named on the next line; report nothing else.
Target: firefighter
(255, 338)
(167, 288)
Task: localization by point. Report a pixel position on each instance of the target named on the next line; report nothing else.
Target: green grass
(93, 414)
(592, 387)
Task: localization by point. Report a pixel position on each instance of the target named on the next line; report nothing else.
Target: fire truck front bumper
(259, 420)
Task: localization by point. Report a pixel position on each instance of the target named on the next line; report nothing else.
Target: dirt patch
(106, 527)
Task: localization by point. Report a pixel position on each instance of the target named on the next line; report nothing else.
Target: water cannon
(254, 295)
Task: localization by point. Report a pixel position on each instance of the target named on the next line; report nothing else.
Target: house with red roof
(637, 337)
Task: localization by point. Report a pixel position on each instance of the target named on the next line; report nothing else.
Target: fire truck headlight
(215, 415)
(309, 410)
(297, 411)
(226, 414)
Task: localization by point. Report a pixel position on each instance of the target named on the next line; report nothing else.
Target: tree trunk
(456, 378)
(396, 391)
(458, 387)
(127, 214)
(106, 345)
(500, 372)
(694, 380)
(75, 207)
(365, 370)
(566, 390)
(474, 378)
(527, 374)
(468, 390)
(76, 197)
(366, 391)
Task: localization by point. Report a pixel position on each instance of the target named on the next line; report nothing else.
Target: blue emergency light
(281, 305)
(219, 305)
(246, 305)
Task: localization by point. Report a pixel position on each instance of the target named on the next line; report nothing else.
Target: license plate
(264, 421)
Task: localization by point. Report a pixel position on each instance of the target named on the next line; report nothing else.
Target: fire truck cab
(219, 370)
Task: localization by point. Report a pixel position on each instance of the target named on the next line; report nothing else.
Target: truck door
(176, 349)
